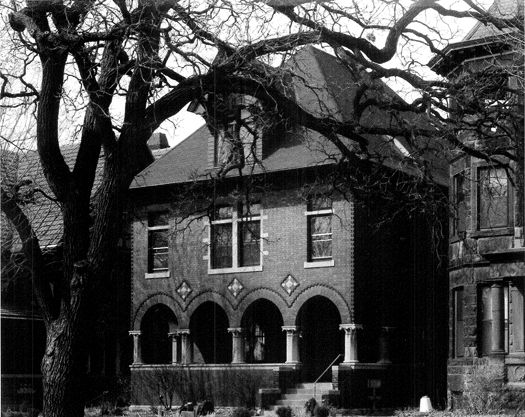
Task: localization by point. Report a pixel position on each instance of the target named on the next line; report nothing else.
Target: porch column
(137, 356)
(237, 344)
(350, 341)
(174, 336)
(384, 344)
(185, 345)
(498, 318)
(292, 344)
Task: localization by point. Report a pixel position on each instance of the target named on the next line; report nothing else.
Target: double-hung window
(158, 248)
(319, 224)
(493, 198)
(235, 237)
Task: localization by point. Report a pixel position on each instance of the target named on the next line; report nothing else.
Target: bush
(310, 406)
(484, 390)
(241, 412)
(204, 408)
(284, 411)
(322, 411)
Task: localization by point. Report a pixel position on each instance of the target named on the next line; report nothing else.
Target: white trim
(319, 264)
(318, 212)
(238, 269)
(159, 274)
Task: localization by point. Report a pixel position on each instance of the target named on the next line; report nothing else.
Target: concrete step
(303, 397)
(305, 391)
(322, 385)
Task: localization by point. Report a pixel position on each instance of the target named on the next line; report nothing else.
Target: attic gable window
(158, 248)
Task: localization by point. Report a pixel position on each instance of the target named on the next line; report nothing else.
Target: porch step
(296, 397)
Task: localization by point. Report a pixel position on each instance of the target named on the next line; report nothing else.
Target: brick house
(486, 250)
(271, 274)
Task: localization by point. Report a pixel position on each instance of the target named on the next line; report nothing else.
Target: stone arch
(154, 299)
(257, 294)
(155, 327)
(215, 297)
(323, 290)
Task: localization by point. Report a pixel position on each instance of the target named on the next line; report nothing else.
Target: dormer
(237, 125)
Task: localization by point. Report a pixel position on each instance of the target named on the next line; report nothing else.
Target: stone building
(246, 284)
(486, 251)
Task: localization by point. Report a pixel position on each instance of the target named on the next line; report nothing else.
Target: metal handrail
(324, 372)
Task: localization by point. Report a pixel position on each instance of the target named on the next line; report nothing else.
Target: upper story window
(319, 217)
(459, 200)
(235, 237)
(158, 250)
(493, 198)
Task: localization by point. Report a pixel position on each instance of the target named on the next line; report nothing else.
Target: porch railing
(324, 372)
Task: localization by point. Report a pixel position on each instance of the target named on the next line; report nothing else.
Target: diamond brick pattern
(289, 284)
(235, 287)
(184, 290)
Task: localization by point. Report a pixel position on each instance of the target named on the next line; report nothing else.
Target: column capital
(350, 327)
(235, 330)
(134, 333)
(183, 331)
(290, 329)
(173, 334)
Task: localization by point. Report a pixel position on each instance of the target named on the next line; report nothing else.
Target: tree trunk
(62, 370)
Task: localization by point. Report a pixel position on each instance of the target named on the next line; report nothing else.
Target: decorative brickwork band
(237, 344)
(350, 341)
(137, 357)
(292, 344)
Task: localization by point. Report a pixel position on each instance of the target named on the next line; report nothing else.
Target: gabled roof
(43, 212)
(323, 86)
(482, 39)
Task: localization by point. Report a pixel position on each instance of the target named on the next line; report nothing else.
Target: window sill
(154, 275)
(319, 264)
(236, 270)
(499, 231)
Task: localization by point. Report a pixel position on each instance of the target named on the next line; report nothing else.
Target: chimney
(158, 141)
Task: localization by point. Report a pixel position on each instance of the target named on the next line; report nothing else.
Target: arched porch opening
(321, 340)
(209, 334)
(264, 340)
(156, 346)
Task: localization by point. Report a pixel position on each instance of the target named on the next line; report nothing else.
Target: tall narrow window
(459, 200)
(158, 228)
(459, 337)
(221, 237)
(488, 328)
(493, 198)
(319, 217)
(250, 235)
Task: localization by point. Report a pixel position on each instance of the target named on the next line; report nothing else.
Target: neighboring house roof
(482, 38)
(323, 86)
(43, 212)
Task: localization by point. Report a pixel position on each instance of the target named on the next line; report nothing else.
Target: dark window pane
(460, 203)
(486, 321)
(249, 247)
(222, 212)
(493, 198)
(320, 237)
(320, 202)
(459, 338)
(158, 219)
(253, 209)
(221, 245)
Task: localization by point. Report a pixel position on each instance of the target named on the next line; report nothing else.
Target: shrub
(309, 406)
(204, 408)
(484, 390)
(284, 411)
(241, 412)
(322, 411)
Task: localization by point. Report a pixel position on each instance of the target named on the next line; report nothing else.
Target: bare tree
(118, 70)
